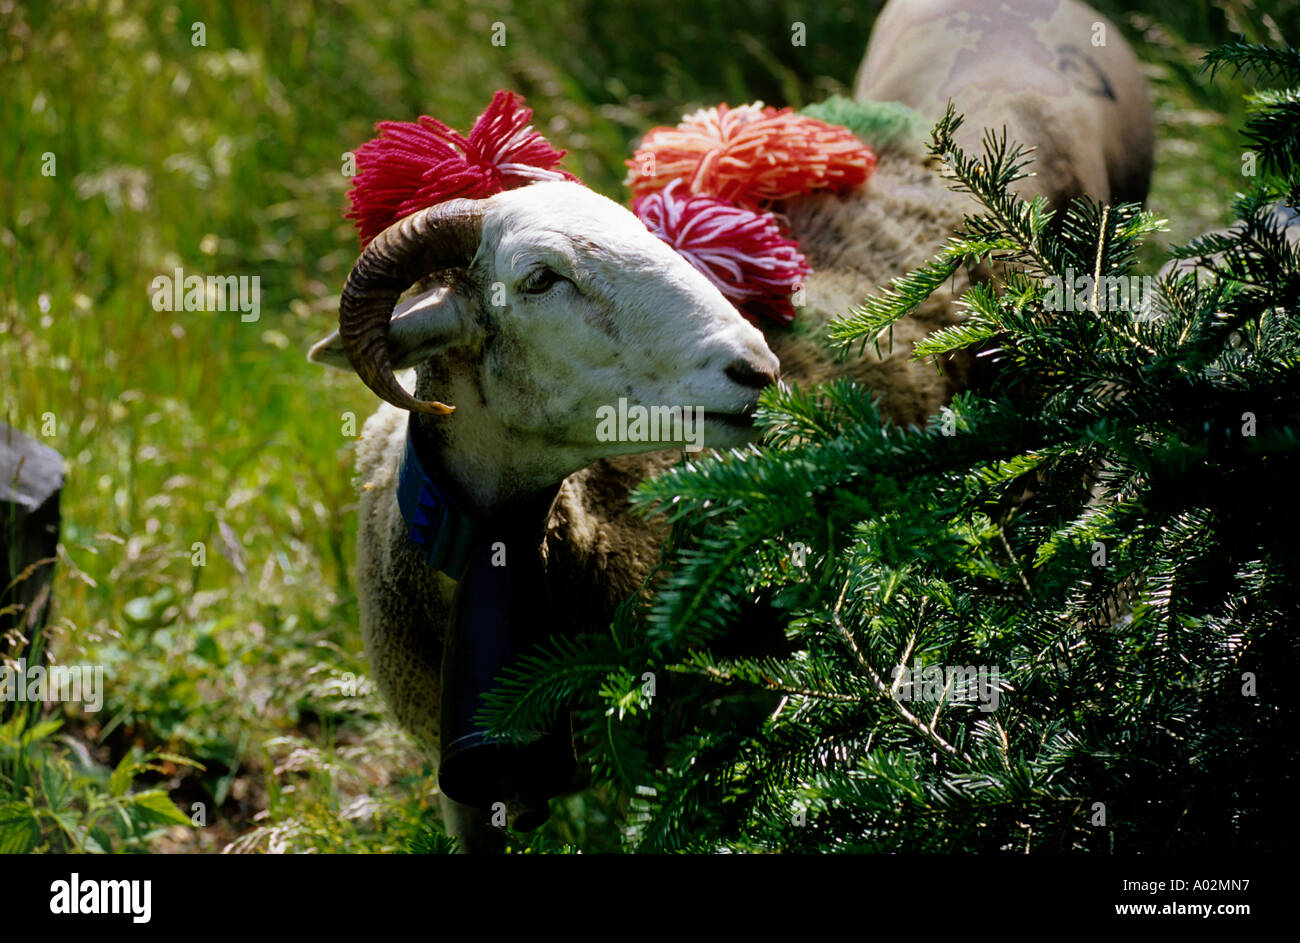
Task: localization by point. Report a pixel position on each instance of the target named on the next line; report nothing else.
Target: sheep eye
(540, 281)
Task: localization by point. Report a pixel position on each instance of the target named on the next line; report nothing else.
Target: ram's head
(541, 305)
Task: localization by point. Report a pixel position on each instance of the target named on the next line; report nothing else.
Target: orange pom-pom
(750, 155)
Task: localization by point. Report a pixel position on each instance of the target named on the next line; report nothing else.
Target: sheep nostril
(746, 374)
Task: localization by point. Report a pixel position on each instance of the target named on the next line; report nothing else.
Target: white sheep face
(570, 306)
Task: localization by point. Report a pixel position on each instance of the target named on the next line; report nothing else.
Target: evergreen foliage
(1109, 535)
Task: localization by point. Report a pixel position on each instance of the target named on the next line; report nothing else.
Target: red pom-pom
(750, 155)
(740, 251)
(413, 165)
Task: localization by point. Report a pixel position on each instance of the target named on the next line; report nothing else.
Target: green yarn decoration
(877, 124)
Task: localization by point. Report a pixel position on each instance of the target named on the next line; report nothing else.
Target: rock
(31, 479)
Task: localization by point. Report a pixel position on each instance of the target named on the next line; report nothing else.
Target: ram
(537, 307)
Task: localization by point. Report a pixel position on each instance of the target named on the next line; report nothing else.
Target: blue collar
(440, 530)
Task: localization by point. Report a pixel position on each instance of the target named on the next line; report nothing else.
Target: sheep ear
(421, 328)
(328, 352)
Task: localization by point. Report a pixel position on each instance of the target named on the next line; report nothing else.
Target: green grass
(193, 428)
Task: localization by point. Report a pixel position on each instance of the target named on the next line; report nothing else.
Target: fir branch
(987, 179)
(1267, 62)
(534, 689)
(876, 315)
(884, 690)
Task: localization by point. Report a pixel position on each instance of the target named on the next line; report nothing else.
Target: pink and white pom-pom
(742, 252)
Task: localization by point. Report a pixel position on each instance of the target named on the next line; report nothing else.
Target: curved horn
(439, 237)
